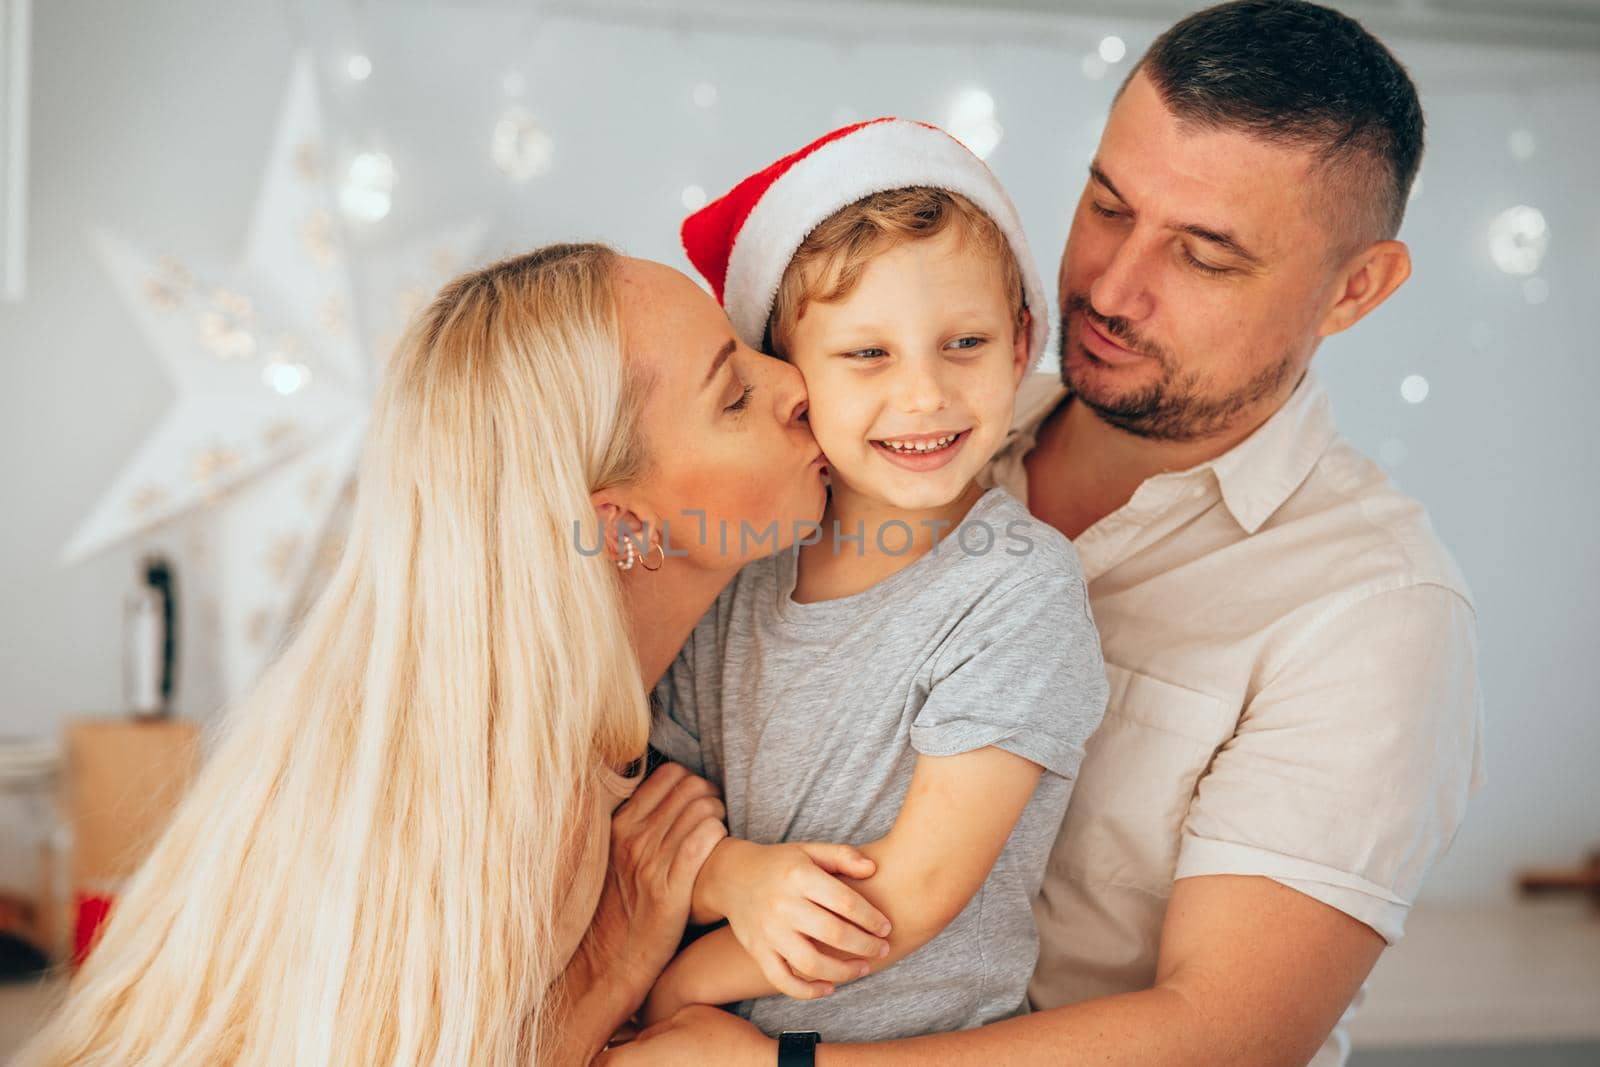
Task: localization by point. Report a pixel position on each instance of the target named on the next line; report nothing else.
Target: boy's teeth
(921, 446)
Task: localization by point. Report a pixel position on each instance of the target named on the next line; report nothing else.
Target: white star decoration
(274, 378)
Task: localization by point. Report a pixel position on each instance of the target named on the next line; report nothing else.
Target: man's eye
(1104, 212)
(743, 401)
(1204, 268)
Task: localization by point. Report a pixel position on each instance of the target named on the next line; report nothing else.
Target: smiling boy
(920, 677)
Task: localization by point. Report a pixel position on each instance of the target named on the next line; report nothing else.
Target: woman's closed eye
(743, 401)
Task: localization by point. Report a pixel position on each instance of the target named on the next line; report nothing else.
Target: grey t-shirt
(811, 717)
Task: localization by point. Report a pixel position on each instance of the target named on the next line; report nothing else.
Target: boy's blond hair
(829, 262)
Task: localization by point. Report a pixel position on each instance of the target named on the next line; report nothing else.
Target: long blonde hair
(368, 868)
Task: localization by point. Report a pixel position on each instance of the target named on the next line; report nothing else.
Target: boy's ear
(1019, 347)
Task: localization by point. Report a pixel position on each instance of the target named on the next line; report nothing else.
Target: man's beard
(1173, 408)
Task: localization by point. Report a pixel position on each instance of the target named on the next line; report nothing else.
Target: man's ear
(1364, 282)
(1019, 347)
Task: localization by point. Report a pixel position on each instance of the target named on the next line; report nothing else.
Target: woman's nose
(789, 392)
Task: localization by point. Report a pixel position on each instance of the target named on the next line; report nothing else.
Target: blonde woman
(395, 852)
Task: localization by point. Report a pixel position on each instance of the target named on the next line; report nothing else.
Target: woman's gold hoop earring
(645, 561)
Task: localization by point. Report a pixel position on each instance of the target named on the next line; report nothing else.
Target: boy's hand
(666, 997)
(784, 904)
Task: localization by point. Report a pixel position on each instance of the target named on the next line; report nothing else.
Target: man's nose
(1121, 290)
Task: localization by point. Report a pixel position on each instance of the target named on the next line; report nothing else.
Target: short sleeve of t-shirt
(1022, 672)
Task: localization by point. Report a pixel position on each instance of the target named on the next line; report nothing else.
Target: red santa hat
(743, 241)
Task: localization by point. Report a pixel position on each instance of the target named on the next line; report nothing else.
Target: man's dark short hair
(1299, 74)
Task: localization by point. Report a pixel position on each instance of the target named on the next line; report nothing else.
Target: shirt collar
(1261, 472)
(1255, 476)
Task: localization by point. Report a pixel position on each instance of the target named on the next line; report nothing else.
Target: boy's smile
(924, 452)
(912, 375)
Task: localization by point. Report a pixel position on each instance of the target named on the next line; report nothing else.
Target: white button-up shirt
(1292, 658)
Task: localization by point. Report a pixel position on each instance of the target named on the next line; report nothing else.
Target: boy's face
(923, 349)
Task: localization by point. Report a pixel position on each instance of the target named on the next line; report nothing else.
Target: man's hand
(694, 1037)
(783, 901)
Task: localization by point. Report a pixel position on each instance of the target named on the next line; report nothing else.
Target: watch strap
(798, 1048)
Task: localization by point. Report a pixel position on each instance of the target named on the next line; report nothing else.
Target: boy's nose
(921, 390)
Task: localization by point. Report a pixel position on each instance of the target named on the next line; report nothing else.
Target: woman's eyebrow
(722, 357)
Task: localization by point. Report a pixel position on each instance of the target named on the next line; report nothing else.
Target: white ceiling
(1563, 24)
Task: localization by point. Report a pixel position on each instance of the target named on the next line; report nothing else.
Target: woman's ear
(621, 516)
(612, 516)
(1019, 347)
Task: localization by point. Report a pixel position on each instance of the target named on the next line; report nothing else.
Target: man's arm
(1376, 714)
(1250, 973)
(1233, 985)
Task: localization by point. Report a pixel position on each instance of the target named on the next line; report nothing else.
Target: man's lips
(1102, 347)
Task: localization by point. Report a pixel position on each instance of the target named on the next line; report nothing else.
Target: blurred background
(216, 216)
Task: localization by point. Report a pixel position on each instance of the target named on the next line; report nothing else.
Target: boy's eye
(967, 344)
(866, 354)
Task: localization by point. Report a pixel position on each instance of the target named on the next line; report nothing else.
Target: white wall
(152, 120)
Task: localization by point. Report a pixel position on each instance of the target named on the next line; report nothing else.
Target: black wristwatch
(798, 1048)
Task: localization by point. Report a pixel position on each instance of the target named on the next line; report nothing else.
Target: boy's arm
(956, 817)
(715, 969)
(958, 813)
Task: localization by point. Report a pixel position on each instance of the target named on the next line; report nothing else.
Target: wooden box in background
(123, 779)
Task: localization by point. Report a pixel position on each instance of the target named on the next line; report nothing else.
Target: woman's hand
(695, 1036)
(660, 838)
(784, 901)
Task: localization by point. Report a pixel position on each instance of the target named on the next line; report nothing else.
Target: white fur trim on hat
(893, 154)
